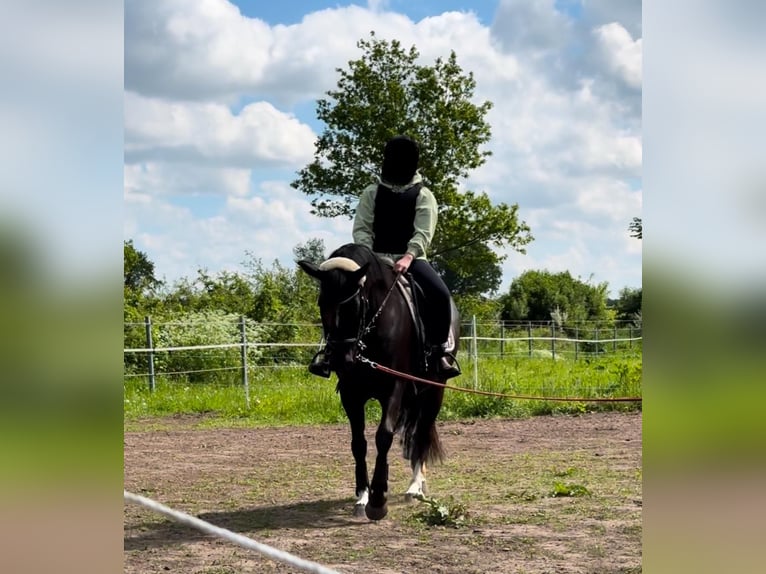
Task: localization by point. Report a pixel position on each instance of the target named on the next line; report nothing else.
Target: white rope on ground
(228, 535)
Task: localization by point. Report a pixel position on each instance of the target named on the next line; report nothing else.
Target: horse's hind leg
(417, 486)
(425, 444)
(355, 411)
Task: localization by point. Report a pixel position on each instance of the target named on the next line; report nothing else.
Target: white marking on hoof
(417, 485)
(361, 502)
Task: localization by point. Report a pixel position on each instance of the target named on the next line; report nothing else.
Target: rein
(368, 328)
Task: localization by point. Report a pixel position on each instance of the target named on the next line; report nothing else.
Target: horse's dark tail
(419, 435)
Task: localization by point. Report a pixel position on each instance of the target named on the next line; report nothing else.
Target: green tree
(139, 300)
(313, 250)
(636, 228)
(138, 270)
(545, 296)
(387, 92)
(628, 305)
(225, 291)
(286, 298)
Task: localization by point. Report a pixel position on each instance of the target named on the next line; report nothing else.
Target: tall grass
(292, 396)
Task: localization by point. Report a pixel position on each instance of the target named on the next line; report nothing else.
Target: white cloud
(530, 26)
(622, 53)
(259, 135)
(566, 124)
(268, 225)
(208, 50)
(609, 200)
(628, 13)
(147, 179)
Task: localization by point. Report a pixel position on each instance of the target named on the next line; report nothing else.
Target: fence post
(502, 338)
(529, 337)
(577, 340)
(630, 336)
(475, 354)
(597, 345)
(614, 340)
(243, 333)
(150, 346)
(553, 339)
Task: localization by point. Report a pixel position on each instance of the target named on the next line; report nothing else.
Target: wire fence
(231, 348)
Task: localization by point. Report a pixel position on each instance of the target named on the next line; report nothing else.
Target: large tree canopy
(387, 92)
(538, 295)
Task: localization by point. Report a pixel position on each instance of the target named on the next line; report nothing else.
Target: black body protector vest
(394, 220)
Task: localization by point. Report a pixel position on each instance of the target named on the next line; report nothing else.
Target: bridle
(363, 305)
(362, 329)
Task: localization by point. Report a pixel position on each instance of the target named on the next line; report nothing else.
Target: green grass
(293, 396)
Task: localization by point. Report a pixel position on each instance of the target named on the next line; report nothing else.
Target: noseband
(362, 330)
(356, 341)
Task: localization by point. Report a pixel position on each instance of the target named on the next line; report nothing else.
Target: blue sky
(220, 114)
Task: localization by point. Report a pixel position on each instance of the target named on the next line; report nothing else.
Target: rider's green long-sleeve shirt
(426, 214)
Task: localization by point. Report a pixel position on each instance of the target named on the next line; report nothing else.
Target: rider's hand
(403, 264)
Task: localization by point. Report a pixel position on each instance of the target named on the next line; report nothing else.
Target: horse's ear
(311, 268)
(358, 275)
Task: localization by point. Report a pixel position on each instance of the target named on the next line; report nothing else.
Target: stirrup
(447, 366)
(443, 363)
(319, 365)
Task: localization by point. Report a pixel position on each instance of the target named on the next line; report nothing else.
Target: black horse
(365, 317)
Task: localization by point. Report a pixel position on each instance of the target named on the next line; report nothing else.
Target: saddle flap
(417, 304)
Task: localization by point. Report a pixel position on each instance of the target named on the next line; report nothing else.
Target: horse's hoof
(376, 513)
(359, 510)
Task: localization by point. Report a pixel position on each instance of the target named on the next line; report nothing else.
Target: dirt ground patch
(292, 488)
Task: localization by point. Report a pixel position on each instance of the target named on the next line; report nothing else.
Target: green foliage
(385, 93)
(449, 512)
(482, 307)
(542, 296)
(560, 490)
(140, 284)
(468, 225)
(281, 299)
(138, 270)
(285, 302)
(629, 304)
(212, 327)
(313, 250)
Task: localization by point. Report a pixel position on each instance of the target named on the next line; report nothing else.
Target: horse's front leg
(354, 407)
(377, 507)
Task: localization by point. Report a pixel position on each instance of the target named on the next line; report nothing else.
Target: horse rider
(396, 218)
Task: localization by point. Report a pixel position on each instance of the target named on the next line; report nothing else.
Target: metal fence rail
(499, 339)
